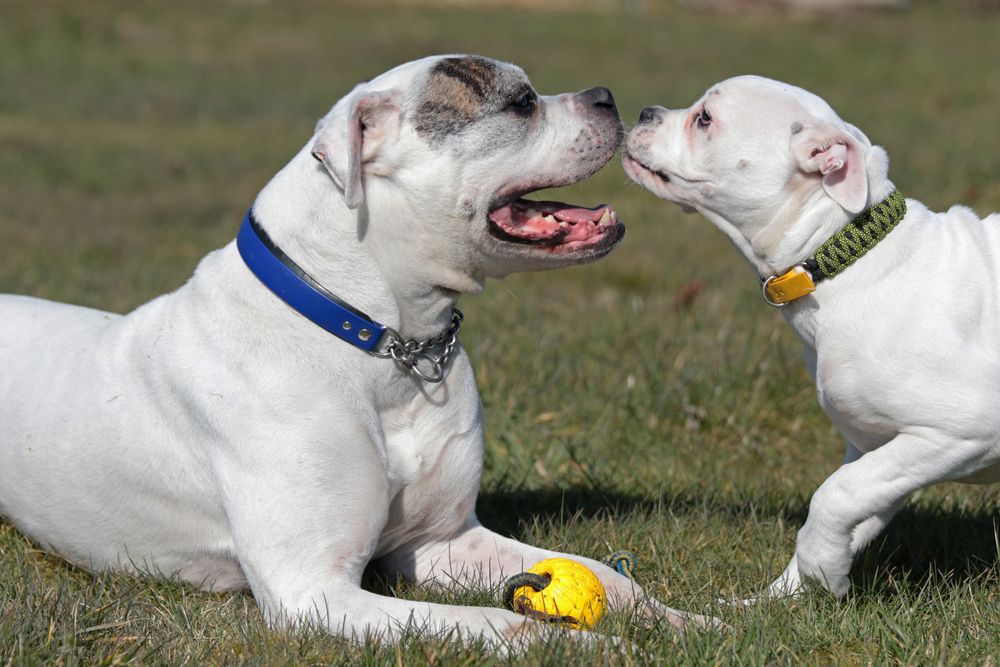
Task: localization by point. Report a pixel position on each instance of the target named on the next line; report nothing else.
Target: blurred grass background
(649, 402)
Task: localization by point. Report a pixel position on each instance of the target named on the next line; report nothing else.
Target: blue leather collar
(298, 289)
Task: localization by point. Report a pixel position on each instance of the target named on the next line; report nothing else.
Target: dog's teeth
(532, 213)
(563, 223)
(605, 217)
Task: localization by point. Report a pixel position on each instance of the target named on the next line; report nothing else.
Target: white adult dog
(219, 437)
(898, 307)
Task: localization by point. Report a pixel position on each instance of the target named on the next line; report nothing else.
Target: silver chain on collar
(408, 353)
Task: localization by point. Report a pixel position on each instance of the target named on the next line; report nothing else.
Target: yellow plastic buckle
(794, 284)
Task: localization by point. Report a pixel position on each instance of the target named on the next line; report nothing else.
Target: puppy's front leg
(857, 501)
(790, 582)
(476, 556)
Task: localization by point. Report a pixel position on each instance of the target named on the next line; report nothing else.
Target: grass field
(133, 136)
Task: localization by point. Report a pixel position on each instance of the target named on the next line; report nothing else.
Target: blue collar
(298, 289)
(290, 283)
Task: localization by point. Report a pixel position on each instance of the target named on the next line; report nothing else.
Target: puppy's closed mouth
(635, 168)
(555, 225)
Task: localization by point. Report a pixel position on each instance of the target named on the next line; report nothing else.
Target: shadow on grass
(922, 544)
(929, 544)
(506, 510)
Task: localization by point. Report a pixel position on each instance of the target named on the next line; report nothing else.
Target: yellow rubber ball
(574, 596)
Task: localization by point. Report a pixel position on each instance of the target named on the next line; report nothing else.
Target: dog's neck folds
(802, 226)
(305, 214)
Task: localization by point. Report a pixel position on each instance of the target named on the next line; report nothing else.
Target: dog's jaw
(657, 182)
(554, 226)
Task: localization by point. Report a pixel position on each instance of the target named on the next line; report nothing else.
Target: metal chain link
(408, 353)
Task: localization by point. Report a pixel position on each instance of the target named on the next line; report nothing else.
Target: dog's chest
(405, 456)
(433, 461)
(423, 437)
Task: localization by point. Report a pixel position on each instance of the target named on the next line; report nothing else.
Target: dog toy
(557, 590)
(622, 562)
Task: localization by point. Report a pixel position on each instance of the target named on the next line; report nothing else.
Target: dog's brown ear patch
(459, 91)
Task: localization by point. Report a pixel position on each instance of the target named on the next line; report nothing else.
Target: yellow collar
(838, 252)
(794, 284)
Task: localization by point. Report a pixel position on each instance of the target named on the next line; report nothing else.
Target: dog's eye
(523, 105)
(703, 119)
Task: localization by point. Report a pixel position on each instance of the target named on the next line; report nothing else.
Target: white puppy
(219, 437)
(902, 330)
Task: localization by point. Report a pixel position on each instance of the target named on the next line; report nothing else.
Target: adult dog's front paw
(624, 594)
(651, 611)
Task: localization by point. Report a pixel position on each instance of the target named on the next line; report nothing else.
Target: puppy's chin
(657, 182)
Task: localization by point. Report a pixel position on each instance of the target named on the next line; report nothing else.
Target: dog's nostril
(647, 115)
(599, 97)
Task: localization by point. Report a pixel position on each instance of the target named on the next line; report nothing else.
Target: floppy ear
(346, 152)
(839, 157)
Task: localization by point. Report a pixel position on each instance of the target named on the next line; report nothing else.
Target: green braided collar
(858, 237)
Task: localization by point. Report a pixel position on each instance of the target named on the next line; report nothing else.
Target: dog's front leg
(476, 557)
(857, 501)
(790, 582)
(305, 520)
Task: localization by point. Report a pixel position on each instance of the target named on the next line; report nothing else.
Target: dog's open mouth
(555, 225)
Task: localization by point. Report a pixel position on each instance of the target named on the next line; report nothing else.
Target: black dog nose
(599, 97)
(648, 115)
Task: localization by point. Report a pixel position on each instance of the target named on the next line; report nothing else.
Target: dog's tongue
(551, 220)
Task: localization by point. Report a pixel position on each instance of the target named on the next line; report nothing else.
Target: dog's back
(35, 337)
(71, 399)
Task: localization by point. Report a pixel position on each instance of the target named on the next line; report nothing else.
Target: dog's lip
(653, 180)
(552, 224)
(631, 160)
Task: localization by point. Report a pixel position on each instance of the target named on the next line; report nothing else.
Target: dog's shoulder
(962, 214)
(957, 219)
